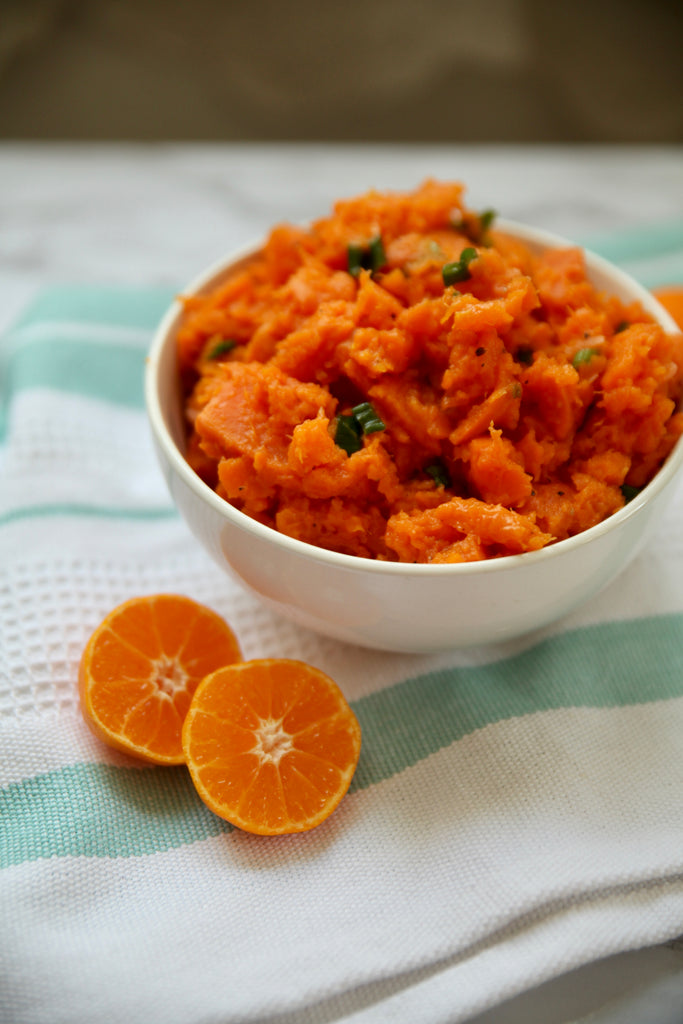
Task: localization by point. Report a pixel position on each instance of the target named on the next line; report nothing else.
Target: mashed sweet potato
(401, 381)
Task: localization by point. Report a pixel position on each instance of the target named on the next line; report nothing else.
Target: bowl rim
(211, 276)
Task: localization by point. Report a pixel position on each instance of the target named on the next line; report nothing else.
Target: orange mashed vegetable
(513, 405)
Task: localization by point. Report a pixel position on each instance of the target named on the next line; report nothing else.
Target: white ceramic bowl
(388, 605)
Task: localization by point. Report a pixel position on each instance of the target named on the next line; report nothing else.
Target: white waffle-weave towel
(517, 811)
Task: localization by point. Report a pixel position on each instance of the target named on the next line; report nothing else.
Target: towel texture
(517, 810)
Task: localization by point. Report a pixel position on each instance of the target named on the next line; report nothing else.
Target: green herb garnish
(348, 434)
(350, 429)
(377, 254)
(439, 474)
(354, 258)
(475, 225)
(458, 270)
(222, 346)
(368, 419)
(583, 356)
(630, 492)
(365, 256)
(486, 219)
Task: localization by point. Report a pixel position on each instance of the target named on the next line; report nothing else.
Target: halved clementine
(271, 745)
(141, 667)
(671, 297)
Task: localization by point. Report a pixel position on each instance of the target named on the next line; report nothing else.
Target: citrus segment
(271, 745)
(140, 668)
(671, 297)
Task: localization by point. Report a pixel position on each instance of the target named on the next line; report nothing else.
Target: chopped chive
(515, 389)
(347, 434)
(621, 326)
(486, 219)
(630, 492)
(222, 346)
(583, 356)
(354, 256)
(369, 421)
(350, 429)
(376, 253)
(439, 474)
(365, 256)
(475, 225)
(458, 270)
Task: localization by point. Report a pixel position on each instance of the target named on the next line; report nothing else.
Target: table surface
(156, 215)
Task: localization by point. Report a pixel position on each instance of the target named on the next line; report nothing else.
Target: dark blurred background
(362, 70)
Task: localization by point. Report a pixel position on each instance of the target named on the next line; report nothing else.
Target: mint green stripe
(652, 255)
(74, 509)
(113, 306)
(609, 665)
(661, 276)
(642, 243)
(113, 372)
(99, 810)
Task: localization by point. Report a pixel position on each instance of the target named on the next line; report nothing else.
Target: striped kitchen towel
(517, 810)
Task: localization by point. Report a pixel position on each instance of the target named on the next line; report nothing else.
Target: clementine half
(142, 665)
(271, 745)
(671, 297)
